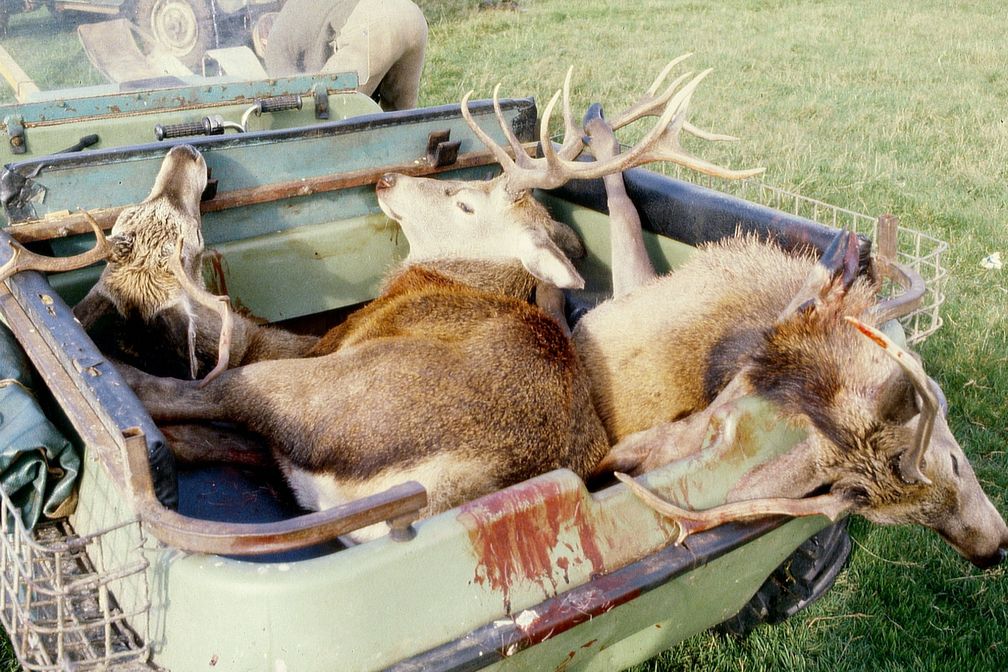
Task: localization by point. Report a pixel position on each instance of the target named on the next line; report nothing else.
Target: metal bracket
(440, 150)
(321, 101)
(16, 133)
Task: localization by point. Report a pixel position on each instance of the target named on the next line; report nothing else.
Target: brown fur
(137, 310)
(737, 313)
(425, 371)
(651, 365)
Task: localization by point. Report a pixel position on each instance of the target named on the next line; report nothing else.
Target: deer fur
(141, 311)
(449, 377)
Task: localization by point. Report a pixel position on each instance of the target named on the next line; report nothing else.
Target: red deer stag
(667, 358)
(150, 306)
(450, 377)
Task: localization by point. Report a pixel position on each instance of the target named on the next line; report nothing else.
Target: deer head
(878, 441)
(500, 220)
(180, 182)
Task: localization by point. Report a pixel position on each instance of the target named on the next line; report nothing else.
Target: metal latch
(440, 150)
(321, 102)
(16, 133)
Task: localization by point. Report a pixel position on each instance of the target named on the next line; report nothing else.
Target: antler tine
(520, 157)
(911, 460)
(572, 142)
(552, 159)
(23, 260)
(667, 147)
(499, 153)
(659, 144)
(707, 135)
(649, 103)
(689, 522)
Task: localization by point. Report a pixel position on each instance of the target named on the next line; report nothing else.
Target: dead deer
(450, 377)
(151, 292)
(669, 356)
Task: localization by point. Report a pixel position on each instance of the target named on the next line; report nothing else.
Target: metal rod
(74, 223)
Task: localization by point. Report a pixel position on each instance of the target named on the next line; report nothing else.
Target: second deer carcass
(668, 356)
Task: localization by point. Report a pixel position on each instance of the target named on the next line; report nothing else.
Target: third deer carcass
(669, 355)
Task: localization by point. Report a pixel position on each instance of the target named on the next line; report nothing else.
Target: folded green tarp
(38, 465)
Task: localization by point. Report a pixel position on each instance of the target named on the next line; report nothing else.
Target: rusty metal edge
(500, 639)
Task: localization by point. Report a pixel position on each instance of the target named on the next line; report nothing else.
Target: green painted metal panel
(369, 606)
(311, 269)
(129, 118)
(593, 227)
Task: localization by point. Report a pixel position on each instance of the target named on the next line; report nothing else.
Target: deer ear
(544, 260)
(897, 402)
(829, 279)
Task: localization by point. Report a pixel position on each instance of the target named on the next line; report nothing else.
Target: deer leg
(651, 448)
(550, 299)
(689, 522)
(200, 444)
(631, 266)
(657, 446)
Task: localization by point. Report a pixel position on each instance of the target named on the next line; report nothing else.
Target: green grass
(880, 107)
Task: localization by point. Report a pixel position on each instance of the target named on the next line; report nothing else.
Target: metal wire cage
(62, 595)
(914, 249)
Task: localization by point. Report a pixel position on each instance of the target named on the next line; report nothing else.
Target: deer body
(666, 349)
(450, 376)
(464, 390)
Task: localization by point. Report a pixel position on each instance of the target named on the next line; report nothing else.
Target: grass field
(895, 107)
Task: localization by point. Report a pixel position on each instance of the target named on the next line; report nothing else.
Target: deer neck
(496, 277)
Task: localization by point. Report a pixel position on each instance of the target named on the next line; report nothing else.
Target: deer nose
(188, 150)
(996, 558)
(387, 181)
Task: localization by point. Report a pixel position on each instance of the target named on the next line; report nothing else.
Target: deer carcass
(450, 377)
(667, 355)
(150, 306)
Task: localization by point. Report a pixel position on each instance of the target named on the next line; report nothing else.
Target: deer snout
(387, 181)
(991, 560)
(187, 150)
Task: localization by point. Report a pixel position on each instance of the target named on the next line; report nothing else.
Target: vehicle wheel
(798, 582)
(185, 28)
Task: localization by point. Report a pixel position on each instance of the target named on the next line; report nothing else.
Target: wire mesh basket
(914, 249)
(61, 596)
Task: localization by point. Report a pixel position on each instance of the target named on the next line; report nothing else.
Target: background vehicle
(185, 29)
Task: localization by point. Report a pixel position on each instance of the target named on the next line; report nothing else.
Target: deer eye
(955, 465)
(464, 207)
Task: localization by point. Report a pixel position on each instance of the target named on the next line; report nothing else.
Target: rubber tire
(798, 582)
(188, 50)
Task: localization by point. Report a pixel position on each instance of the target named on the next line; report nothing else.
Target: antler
(220, 304)
(650, 105)
(911, 460)
(689, 522)
(22, 259)
(557, 166)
